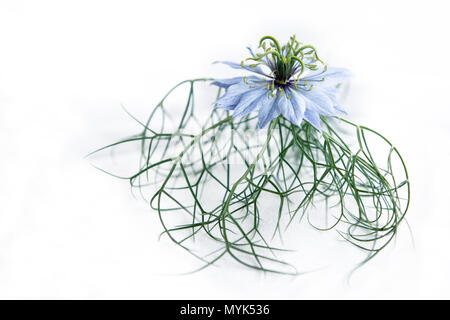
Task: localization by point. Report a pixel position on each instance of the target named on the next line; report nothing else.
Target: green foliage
(211, 179)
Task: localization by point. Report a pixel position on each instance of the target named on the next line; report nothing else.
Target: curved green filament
(284, 58)
(301, 63)
(200, 194)
(274, 41)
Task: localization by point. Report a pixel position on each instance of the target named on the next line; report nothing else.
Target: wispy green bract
(214, 180)
(200, 193)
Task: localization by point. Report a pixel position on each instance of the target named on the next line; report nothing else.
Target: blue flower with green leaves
(290, 80)
(184, 160)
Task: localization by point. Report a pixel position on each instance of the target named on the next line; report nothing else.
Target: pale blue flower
(291, 81)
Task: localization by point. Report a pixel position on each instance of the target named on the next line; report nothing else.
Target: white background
(69, 231)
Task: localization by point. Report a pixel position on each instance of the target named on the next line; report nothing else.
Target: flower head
(289, 80)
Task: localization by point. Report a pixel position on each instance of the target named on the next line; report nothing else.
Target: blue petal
(331, 93)
(312, 74)
(225, 83)
(313, 118)
(235, 65)
(318, 101)
(290, 110)
(332, 76)
(227, 106)
(298, 103)
(233, 94)
(249, 101)
(268, 110)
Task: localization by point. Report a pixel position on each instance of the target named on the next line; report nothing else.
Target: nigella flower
(291, 81)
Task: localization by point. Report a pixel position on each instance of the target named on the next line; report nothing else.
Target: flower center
(288, 62)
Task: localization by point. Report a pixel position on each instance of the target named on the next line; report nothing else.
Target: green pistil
(287, 60)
